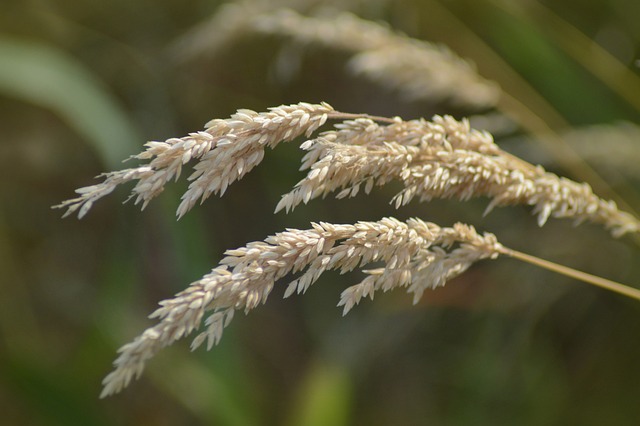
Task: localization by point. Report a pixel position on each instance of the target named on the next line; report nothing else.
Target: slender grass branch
(349, 116)
(574, 273)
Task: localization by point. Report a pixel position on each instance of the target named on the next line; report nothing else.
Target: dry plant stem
(438, 158)
(415, 256)
(349, 116)
(578, 275)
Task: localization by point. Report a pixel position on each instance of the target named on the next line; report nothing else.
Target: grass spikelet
(417, 256)
(226, 150)
(412, 251)
(417, 69)
(355, 153)
(438, 158)
(443, 159)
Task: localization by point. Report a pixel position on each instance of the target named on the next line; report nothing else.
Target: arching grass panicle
(416, 68)
(443, 157)
(417, 255)
(225, 151)
(426, 158)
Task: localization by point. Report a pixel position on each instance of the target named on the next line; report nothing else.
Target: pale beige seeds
(438, 158)
(225, 152)
(415, 254)
(442, 159)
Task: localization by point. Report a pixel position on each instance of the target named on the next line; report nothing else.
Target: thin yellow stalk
(336, 115)
(573, 273)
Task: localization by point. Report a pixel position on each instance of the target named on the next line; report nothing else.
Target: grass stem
(573, 273)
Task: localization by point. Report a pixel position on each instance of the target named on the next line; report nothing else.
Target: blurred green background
(83, 84)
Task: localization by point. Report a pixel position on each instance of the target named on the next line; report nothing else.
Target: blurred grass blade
(325, 397)
(594, 58)
(50, 78)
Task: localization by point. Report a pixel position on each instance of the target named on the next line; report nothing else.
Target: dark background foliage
(83, 84)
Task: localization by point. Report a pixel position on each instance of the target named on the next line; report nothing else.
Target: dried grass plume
(442, 158)
(417, 256)
(439, 158)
